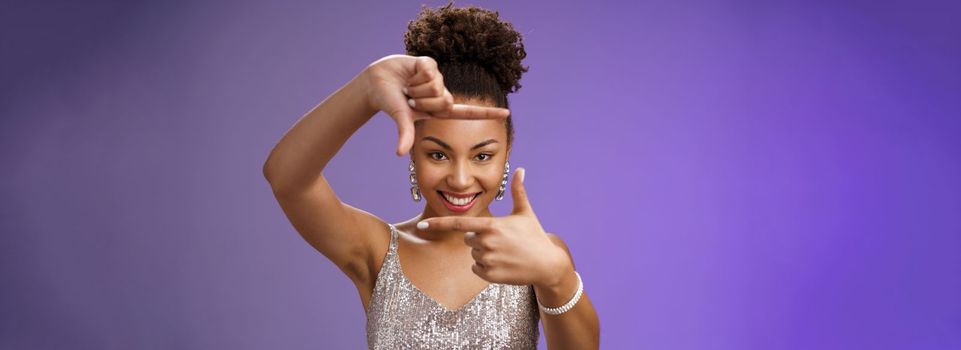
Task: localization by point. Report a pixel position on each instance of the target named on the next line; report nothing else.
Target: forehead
(462, 132)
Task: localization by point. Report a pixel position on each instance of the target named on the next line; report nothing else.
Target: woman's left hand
(510, 250)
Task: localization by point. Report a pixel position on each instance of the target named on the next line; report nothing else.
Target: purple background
(728, 175)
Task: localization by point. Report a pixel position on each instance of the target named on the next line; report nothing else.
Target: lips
(458, 202)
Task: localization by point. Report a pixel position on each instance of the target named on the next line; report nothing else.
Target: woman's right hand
(411, 88)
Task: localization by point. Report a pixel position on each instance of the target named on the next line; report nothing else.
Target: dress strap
(393, 239)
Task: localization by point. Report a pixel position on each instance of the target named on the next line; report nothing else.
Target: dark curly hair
(478, 54)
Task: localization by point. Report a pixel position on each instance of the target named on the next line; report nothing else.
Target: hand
(426, 96)
(510, 250)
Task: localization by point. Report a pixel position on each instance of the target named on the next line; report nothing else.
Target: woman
(467, 279)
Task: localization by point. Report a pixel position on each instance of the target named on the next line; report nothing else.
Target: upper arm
(342, 233)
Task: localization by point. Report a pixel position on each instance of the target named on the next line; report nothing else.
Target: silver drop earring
(501, 190)
(414, 190)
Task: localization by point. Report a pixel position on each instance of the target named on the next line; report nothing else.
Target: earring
(501, 190)
(414, 190)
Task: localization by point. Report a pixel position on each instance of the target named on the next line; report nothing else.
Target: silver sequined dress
(400, 316)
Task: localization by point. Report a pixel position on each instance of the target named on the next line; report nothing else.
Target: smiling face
(459, 164)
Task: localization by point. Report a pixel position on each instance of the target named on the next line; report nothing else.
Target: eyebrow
(448, 147)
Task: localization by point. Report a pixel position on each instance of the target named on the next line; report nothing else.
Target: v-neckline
(400, 269)
(437, 303)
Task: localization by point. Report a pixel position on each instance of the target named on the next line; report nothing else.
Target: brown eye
(436, 156)
(484, 157)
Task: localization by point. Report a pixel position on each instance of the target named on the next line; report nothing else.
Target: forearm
(579, 327)
(299, 157)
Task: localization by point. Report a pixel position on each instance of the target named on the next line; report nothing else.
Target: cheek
(429, 176)
(493, 177)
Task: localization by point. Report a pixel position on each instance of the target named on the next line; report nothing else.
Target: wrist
(360, 86)
(559, 289)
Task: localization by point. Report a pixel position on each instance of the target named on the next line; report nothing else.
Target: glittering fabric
(400, 316)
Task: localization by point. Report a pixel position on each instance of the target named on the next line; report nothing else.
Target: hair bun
(469, 35)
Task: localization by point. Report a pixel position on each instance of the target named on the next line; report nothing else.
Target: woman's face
(459, 164)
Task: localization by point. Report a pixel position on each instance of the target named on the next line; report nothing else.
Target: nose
(461, 176)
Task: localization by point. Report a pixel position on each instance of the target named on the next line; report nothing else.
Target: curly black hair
(478, 53)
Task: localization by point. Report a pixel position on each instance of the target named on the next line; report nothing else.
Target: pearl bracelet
(570, 304)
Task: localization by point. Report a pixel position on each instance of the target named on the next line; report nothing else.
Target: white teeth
(458, 201)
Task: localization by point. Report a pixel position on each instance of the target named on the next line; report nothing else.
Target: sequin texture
(400, 316)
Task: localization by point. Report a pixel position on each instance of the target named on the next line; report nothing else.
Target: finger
(480, 258)
(433, 88)
(475, 241)
(477, 255)
(455, 223)
(481, 271)
(521, 203)
(418, 115)
(425, 69)
(462, 111)
(438, 104)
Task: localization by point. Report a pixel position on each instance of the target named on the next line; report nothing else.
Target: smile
(458, 203)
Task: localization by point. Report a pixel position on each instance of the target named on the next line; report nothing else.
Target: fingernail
(523, 174)
(411, 102)
(405, 91)
(422, 225)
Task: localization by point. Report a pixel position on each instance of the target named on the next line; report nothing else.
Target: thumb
(405, 132)
(521, 203)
